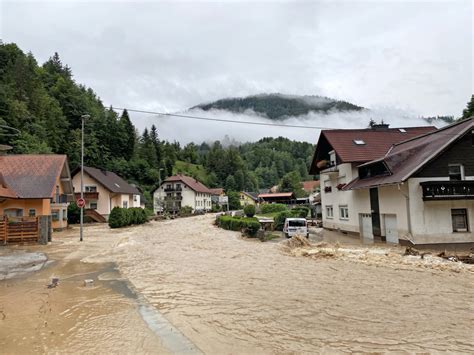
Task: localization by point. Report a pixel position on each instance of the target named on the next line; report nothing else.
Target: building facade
(180, 190)
(104, 190)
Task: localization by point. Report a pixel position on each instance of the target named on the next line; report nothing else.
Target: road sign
(81, 203)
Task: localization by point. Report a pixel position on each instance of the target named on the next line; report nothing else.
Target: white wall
(103, 203)
(431, 220)
(197, 201)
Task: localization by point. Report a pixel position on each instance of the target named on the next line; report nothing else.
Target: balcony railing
(448, 190)
(173, 198)
(60, 198)
(88, 195)
(171, 189)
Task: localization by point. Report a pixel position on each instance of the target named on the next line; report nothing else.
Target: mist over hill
(279, 106)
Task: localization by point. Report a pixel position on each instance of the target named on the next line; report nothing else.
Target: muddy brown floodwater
(229, 295)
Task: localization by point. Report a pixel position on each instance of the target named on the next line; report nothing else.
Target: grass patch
(197, 171)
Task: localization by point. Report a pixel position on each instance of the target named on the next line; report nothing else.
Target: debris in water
(88, 282)
(54, 282)
(297, 241)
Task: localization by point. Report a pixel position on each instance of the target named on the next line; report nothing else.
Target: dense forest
(45, 103)
(278, 106)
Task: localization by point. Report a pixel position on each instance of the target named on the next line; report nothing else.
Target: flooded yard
(225, 295)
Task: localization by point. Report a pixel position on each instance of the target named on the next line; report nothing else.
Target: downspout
(407, 200)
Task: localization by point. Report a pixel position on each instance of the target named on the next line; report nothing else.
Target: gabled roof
(252, 195)
(109, 180)
(310, 185)
(374, 142)
(217, 191)
(406, 158)
(31, 175)
(192, 183)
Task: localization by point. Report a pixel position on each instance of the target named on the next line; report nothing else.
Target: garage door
(366, 223)
(391, 231)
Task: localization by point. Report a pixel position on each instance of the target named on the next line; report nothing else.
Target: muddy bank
(229, 295)
(71, 318)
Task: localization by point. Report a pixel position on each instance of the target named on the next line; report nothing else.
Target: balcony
(173, 198)
(448, 190)
(172, 189)
(88, 195)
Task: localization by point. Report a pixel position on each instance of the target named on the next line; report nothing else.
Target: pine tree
(156, 143)
(469, 110)
(127, 131)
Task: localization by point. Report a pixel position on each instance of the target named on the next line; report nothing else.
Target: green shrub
(121, 217)
(117, 218)
(273, 208)
(300, 212)
(186, 211)
(249, 226)
(249, 210)
(73, 213)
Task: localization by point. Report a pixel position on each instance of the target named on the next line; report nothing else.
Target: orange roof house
(35, 185)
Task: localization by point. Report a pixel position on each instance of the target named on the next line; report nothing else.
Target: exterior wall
(41, 206)
(136, 201)
(245, 200)
(103, 203)
(393, 201)
(196, 200)
(356, 201)
(431, 220)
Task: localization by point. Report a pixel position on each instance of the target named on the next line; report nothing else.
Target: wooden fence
(18, 229)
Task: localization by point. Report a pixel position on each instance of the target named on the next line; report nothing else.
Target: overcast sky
(402, 57)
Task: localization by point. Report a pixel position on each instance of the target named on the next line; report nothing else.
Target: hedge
(121, 217)
(249, 210)
(249, 226)
(272, 208)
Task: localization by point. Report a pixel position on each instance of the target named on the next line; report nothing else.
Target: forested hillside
(278, 106)
(45, 103)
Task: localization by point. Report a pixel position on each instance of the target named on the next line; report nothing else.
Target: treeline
(46, 104)
(277, 106)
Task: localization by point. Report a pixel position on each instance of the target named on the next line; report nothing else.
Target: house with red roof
(33, 185)
(337, 157)
(178, 191)
(421, 191)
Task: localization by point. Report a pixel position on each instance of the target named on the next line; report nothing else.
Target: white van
(295, 226)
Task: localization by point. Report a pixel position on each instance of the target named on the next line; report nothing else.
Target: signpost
(81, 203)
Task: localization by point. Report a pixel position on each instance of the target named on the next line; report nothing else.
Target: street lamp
(83, 118)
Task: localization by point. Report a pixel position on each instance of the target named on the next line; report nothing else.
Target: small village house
(278, 197)
(104, 190)
(33, 186)
(422, 190)
(219, 197)
(337, 157)
(178, 191)
(248, 198)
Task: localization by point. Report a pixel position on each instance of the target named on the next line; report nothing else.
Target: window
(332, 158)
(90, 189)
(359, 142)
(456, 172)
(55, 215)
(135, 198)
(13, 212)
(459, 218)
(125, 204)
(93, 205)
(329, 212)
(343, 212)
(32, 212)
(402, 130)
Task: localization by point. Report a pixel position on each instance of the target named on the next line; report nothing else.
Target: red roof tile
(191, 182)
(277, 194)
(217, 191)
(31, 176)
(377, 142)
(309, 186)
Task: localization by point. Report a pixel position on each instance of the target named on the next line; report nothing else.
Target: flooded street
(229, 295)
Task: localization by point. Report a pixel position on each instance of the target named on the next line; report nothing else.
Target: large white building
(337, 157)
(178, 191)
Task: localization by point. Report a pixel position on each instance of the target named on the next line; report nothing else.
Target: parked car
(295, 226)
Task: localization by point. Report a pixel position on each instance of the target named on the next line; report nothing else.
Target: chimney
(380, 126)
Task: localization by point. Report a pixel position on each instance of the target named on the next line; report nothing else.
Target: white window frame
(461, 168)
(329, 208)
(343, 212)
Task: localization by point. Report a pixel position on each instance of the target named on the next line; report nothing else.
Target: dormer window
(359, 142)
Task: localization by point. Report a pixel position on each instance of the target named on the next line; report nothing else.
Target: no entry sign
(81, 203)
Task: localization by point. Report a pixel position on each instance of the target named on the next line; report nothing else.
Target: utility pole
(83, 117)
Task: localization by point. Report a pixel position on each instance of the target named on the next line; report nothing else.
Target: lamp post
(83, 117)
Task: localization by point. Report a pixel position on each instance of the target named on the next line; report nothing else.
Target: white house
(421, 191)
(178, 191)
(337, 157)
(104, 190)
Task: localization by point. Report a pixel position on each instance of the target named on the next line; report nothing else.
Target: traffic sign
(81, 203)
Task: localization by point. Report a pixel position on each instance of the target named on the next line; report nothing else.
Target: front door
(391, 232)
(375, 211)
(366, 223)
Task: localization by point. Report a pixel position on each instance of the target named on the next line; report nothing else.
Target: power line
(392, 130)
